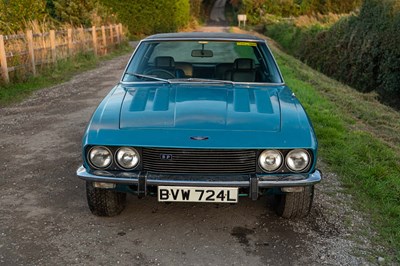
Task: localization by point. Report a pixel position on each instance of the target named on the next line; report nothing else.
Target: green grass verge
(364, 156)
(61, 72)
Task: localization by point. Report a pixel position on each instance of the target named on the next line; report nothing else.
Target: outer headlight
(270, 160)
(127, 158)
(297, 160)
(100, 157)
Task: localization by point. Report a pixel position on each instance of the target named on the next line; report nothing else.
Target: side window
(139, 61)
(271, 68)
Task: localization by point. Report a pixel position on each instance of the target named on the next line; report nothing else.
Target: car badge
(199, 138)
(166, 156)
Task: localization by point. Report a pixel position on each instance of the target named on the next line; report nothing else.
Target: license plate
(197, 194)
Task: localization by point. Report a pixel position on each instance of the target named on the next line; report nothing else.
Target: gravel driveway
(44, 219)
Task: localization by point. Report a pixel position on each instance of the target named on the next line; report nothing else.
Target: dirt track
(45, 220)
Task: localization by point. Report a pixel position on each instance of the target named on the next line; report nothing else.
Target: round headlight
(270, 160)
(127, 158)
(297, 160)
(100, 157)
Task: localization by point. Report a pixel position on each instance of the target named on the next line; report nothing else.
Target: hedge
(362, 51)
(256, 9)
(144, 17)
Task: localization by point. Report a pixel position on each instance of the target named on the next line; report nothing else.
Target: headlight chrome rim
(118, 158)
(291, 165)
(90, 158)
(263, 157)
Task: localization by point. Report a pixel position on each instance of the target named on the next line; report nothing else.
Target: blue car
(200, 117)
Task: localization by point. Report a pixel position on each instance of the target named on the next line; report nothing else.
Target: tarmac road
(217, 14)
(44, 218)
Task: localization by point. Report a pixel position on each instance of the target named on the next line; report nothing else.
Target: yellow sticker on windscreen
(246, 44)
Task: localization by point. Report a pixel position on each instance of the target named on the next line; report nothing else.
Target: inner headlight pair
(101, 157)
(296, 160)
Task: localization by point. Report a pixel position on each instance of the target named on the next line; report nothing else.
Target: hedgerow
(144, 17)
(362, 51)
(256, 9)
(141, 17)
(14, 13)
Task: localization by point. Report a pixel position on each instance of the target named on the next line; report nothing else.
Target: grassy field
(359, 140)
(62, 72)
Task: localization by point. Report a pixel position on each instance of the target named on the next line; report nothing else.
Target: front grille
(199, 161)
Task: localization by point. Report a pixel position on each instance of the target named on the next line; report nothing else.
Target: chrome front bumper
(156, 179)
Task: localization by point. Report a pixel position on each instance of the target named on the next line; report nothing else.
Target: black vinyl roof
(204, 36)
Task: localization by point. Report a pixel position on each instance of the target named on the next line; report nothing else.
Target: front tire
(295, 204)
(104, 202)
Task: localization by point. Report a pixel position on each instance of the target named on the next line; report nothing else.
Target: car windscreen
(237, 61)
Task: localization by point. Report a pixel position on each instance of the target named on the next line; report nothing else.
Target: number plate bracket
(253, 187)
(141, 189)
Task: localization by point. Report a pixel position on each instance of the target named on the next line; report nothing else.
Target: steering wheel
(160, 73)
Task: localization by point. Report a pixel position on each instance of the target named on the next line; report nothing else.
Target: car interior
(241, 70)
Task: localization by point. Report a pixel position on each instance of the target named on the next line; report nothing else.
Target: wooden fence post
(121, 31)
(3, 61)
(82, 37)
(111, 34)
(70, 43)
(31, 50)
(104, 37)
(53, 46)
(94, 37)
(118, 34)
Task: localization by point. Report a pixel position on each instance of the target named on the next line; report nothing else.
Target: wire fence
(25, 54)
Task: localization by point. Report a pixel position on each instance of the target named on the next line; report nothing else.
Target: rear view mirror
(202, 53)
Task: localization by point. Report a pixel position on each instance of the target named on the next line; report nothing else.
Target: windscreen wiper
(204, 80)
(147, 77)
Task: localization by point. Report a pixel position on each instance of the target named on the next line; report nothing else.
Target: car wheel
(295, 204)
(104, 202)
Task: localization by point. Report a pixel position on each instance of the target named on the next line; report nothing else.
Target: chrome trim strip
(203, 82)
(200, 38)
(130, 178)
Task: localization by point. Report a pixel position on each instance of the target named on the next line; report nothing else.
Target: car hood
(195, 106)
(176, 115)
